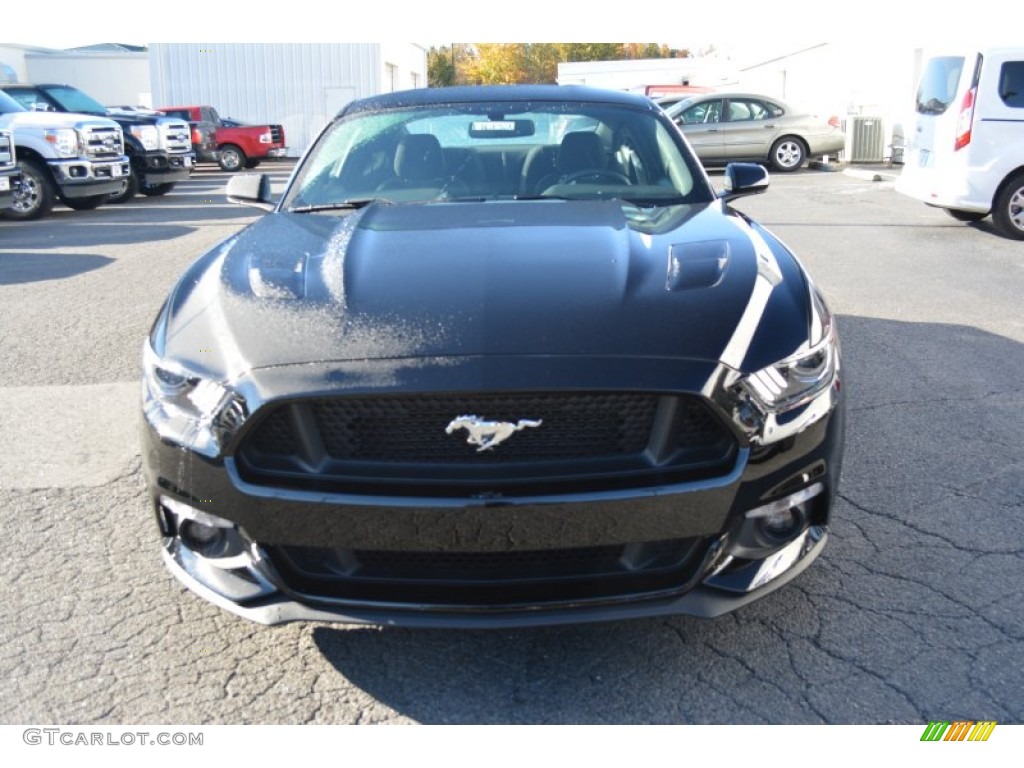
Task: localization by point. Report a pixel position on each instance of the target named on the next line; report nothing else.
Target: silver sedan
(723, 127)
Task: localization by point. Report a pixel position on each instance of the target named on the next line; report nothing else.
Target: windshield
(8, 105)
(499, 150)
(938, 84)
(181, 114)
(674, 110)
(73, 100)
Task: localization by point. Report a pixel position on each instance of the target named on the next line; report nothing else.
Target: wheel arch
(1001, 187)
(27, 153)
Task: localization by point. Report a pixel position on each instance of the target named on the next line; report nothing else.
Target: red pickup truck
(238, 145)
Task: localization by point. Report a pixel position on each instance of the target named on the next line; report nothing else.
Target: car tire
(36, 193)
(1008, 212)
(85, 203)
(968, 216)
(231, 158)
(131, 188)
(787, 154)
(251, 163)
(157, 190)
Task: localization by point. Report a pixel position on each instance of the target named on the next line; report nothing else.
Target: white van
(966, 148)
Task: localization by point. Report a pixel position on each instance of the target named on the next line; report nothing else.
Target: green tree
(450, 65)
(592, 51)
(440, 67)
(508, 63)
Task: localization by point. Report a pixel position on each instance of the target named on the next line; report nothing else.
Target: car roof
(674, 109)
(733, 95)
(5, 86)
(485, 93)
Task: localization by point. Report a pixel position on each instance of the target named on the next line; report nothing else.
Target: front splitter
(270, 606)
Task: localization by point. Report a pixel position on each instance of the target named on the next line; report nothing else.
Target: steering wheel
(596, 173)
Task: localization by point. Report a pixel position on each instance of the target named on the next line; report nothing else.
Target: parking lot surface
(912, 614)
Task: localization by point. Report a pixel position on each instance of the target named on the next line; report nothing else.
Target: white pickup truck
(78, 159)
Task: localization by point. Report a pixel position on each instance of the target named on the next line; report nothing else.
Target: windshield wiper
(932, 107)
(655, 202)
(543, 197)
(344, 205)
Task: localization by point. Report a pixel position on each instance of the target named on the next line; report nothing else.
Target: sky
(731, 25)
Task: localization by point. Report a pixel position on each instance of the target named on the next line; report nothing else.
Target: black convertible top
(484, 93)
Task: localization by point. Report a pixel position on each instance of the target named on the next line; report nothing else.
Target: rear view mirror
(501, 129)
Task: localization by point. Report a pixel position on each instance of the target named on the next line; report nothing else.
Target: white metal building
(299, 85)
(111, 77)
(634, 74)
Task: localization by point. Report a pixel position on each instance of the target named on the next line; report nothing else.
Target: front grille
(401, 443)
(487, 578)
(412, 429)
(102, 143)
(6, 153)
(276, 134)
(175, 136)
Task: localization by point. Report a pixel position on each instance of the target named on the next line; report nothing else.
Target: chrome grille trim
(6, 150)
(175, 135)
(98, 145)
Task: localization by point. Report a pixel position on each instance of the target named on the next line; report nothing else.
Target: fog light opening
(783, 523)
(205, 534)
(764, 530)
(205, 540)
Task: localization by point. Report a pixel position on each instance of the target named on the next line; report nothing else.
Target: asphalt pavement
(912, 614)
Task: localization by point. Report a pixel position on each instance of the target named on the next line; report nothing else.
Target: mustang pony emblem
(488, 434)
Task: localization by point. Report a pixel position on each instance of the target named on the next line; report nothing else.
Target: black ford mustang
(499, 356)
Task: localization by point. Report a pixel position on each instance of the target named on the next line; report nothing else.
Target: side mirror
(744, 179)
(252, 189)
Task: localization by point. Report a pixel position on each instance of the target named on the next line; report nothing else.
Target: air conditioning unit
(865, 139)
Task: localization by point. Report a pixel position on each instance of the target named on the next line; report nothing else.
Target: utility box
(865, 139)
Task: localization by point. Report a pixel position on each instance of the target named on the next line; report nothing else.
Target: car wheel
(965, 215)
(156, 190)
(130, 189)
(251, 163)
(231, 158)
(35, 195)
(1008, 213)
(787, 154)
(85, 203)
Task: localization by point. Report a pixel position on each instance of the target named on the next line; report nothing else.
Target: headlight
(64, 140)
(802, 376)
(266, 138)
(186, 408)
(147, 135)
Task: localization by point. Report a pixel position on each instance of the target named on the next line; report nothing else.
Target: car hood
(49, 120)
(545, 278)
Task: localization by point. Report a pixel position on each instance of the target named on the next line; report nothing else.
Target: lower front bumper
(164, 168)
(7, 183)
(246, 586)
(84, 178)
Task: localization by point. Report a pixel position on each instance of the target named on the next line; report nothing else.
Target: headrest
(580, 150)
(419, 158)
